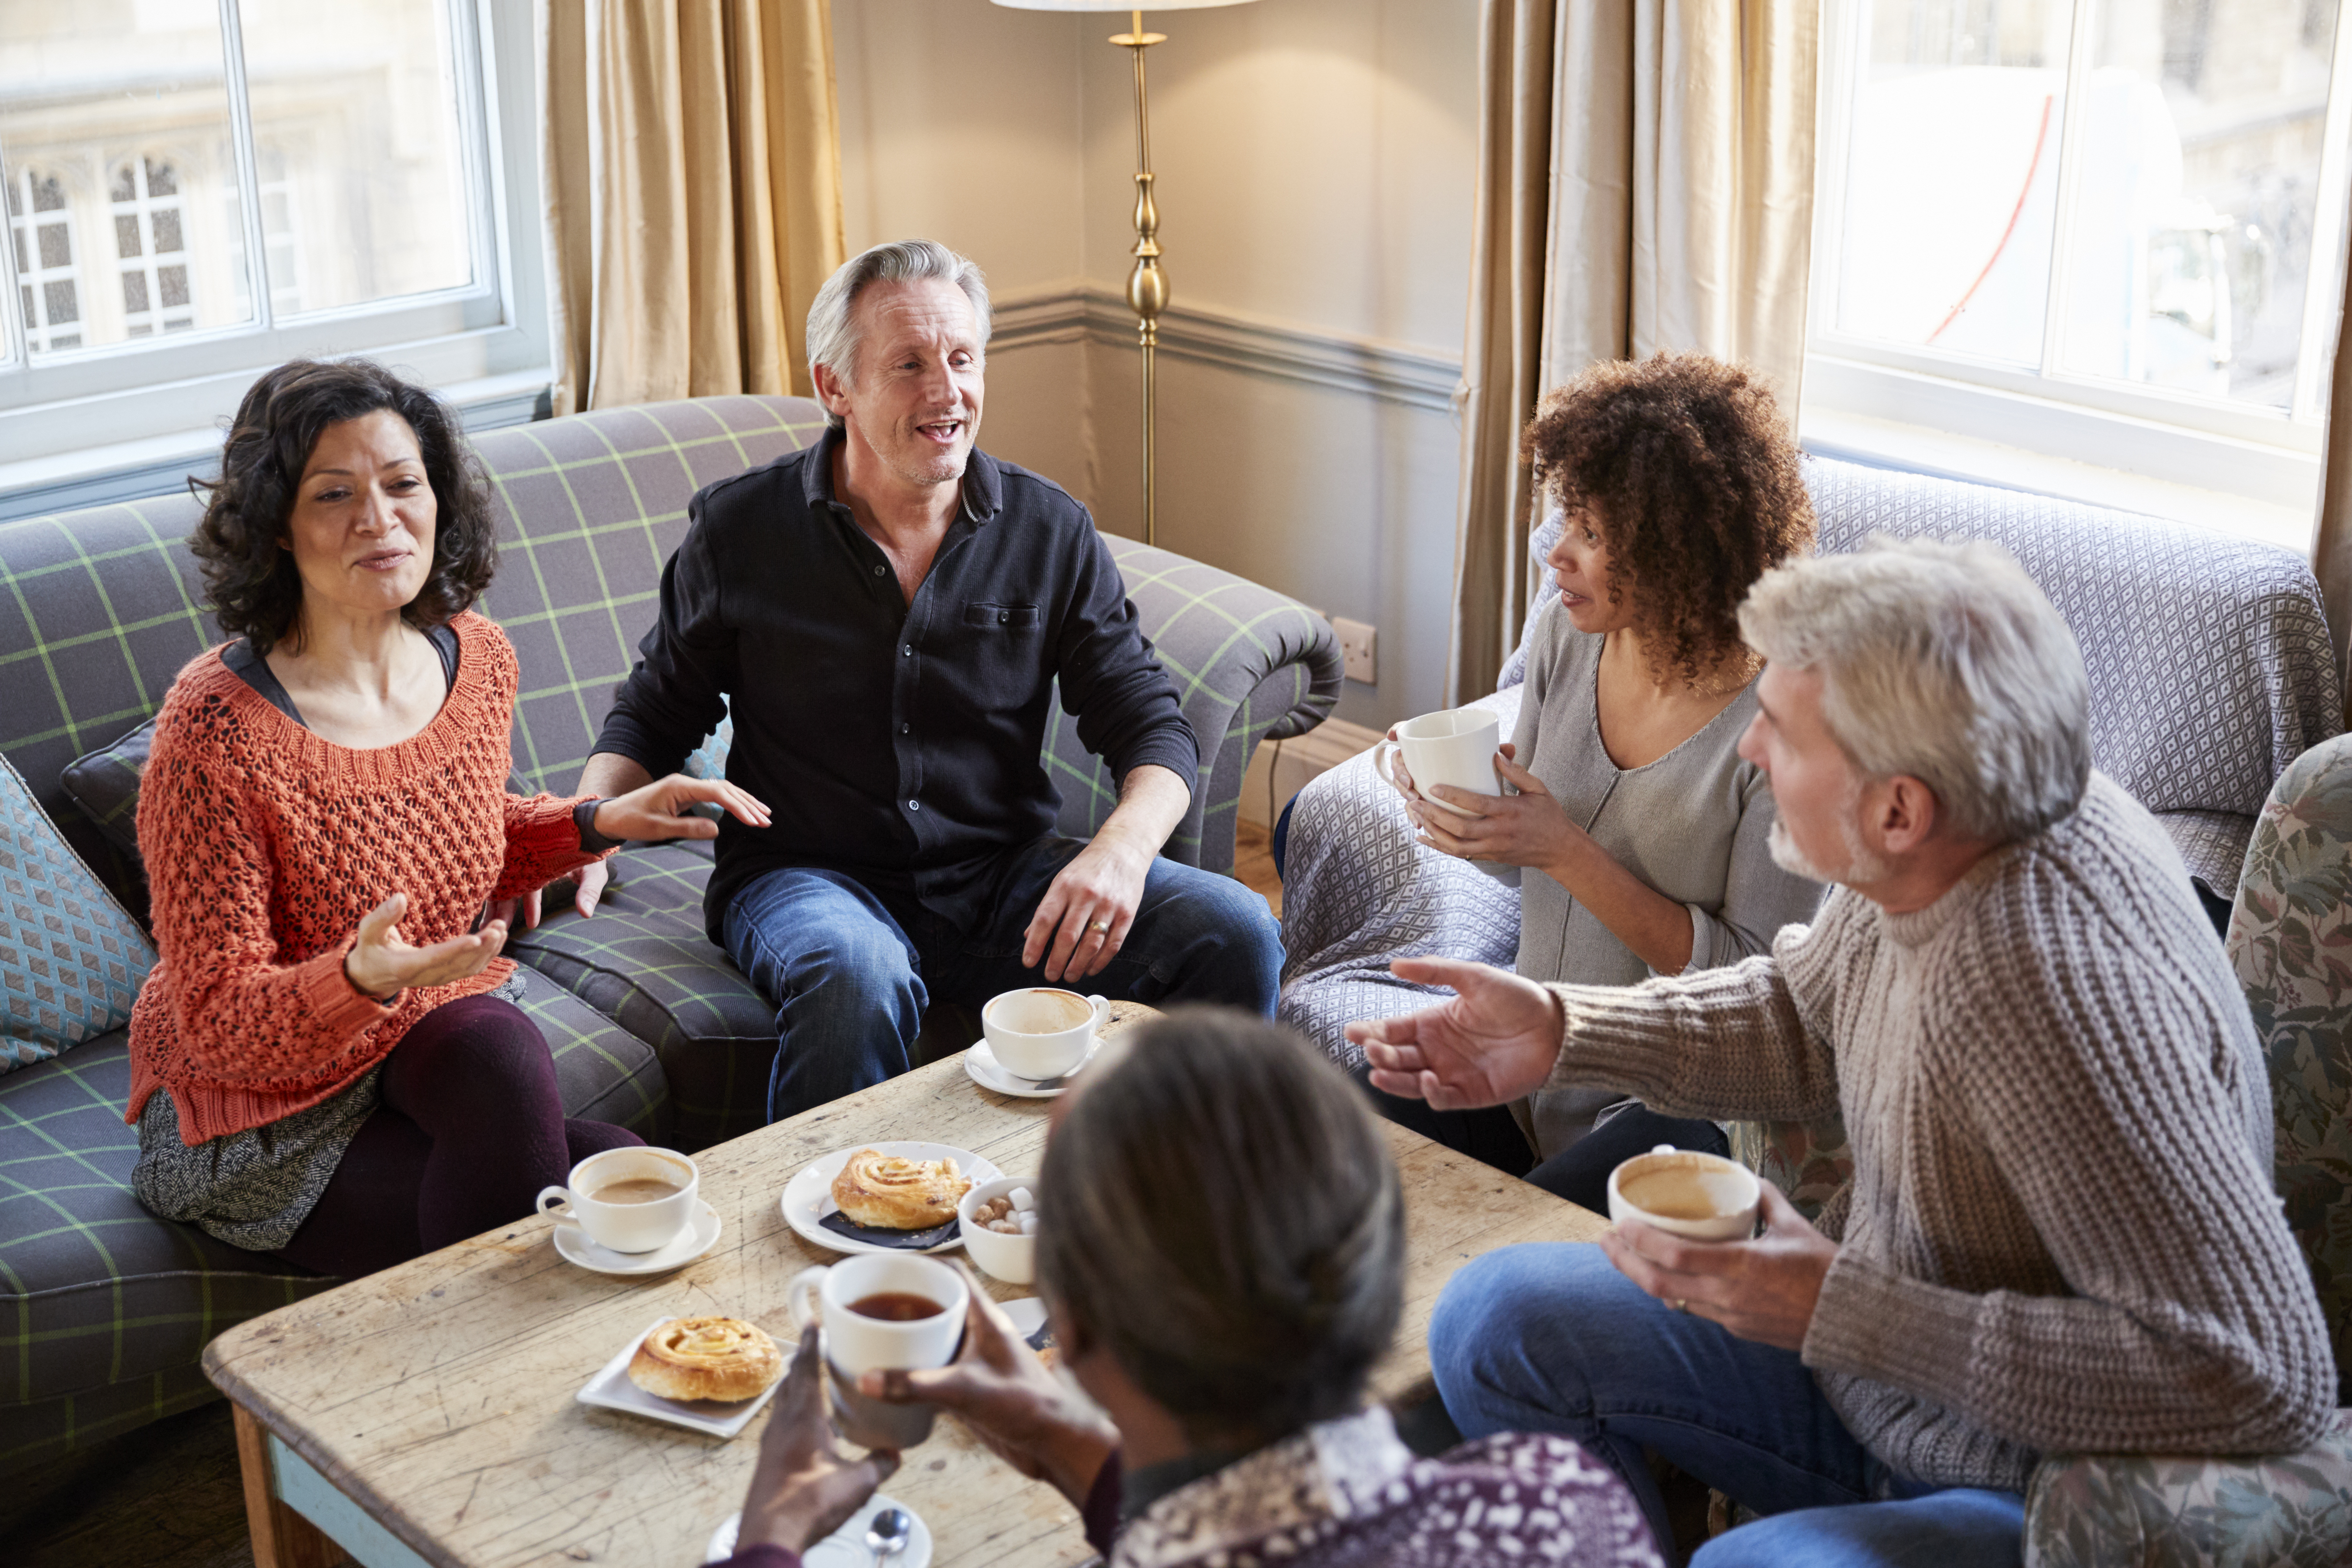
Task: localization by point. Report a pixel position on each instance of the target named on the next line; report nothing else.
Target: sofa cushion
(70, 958)
(643, 961)
(105, 784)
(603, 1073)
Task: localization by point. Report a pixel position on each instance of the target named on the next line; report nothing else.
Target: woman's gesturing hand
(651, 811)
(1495, 1039)
(382, 964)
(1528, 829)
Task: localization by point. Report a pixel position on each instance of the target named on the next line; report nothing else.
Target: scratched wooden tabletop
(439, 1394)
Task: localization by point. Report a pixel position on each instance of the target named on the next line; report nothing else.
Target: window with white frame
(198, 189)
(2128, 210)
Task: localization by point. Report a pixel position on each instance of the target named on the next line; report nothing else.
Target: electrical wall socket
(1358, 646)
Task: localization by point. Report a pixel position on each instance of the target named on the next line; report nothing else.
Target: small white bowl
(1011, 1258)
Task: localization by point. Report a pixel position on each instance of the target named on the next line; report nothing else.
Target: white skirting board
(1279, 770)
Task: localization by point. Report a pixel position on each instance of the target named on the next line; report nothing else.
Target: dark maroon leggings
(470, 1128)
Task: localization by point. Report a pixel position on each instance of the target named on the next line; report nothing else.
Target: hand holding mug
(803, 1488)
(382, 964)
(1529, 829)
(1764, 1289)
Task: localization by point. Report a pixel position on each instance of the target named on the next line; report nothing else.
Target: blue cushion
(71, 960)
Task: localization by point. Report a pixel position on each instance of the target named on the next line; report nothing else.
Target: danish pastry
(707, 1358)
(890, 1192)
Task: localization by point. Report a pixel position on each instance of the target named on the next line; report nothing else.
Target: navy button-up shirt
(897, 743)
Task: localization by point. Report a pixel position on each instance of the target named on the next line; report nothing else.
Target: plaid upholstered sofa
(103, 1308)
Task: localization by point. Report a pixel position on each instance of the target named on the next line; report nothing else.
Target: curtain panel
(2331, 550)
(1645, 182)
(689, 152)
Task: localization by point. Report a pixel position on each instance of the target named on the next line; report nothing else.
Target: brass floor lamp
(1147, 283)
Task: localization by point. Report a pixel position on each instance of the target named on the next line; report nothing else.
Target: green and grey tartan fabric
(103, 1308)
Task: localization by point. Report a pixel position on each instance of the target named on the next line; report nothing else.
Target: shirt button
(908, 650)
(1003, 616)
(914, 805)
(906, 729)
(880, 570)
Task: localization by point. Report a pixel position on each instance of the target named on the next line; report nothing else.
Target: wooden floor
(167, 1496)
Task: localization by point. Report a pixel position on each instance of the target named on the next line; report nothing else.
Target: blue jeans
(1552, 1338)
(851, 974)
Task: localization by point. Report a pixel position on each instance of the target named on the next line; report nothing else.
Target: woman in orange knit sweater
(328, 1063)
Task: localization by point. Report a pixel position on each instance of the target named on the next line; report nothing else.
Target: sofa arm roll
(1248, 665)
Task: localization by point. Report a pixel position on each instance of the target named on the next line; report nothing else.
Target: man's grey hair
(1942, 661)
(832, 317)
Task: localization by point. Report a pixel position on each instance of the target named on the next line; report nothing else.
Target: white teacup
(1040, 1033)
(1703, 1197)
(608, 1196)
(856, 1343)
(1454, 746)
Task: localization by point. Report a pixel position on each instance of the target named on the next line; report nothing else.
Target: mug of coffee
(1039, 1032)
(1704, 1197)
(1454, 746)
(627, 1200)
(881, 1312)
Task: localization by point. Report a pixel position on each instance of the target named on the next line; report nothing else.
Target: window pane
(115, 145)
(357, 139)
(1951, 179)
(2200, 173)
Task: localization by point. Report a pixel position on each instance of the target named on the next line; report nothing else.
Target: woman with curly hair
(1642, 833)
(329, 1064)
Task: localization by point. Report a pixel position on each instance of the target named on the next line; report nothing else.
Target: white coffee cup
(1699, 1197)
(626, 1227)
(855, 1343)
(1040, 1033)
(1454, 746)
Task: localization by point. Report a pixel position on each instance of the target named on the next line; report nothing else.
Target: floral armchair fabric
(2291, 944)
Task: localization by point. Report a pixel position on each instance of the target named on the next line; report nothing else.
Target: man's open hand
(1493, 1040)
(1763, 1290)
(1083, 920)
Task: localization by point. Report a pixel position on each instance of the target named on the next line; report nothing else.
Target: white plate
(611, 1389)
(1027, 1312)
(808, 1197)
(980, 1064)
(846, 1547)
(699, 1238)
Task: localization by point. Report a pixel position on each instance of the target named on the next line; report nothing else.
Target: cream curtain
(691, 156)
(1645, 182)
(2331, 553)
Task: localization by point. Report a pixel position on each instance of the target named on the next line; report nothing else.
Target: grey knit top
(2060, 1234)
(1692, 825)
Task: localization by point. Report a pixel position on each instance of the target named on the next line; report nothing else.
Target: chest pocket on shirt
(1003, 617)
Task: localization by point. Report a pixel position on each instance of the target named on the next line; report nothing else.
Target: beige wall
(1316, 160)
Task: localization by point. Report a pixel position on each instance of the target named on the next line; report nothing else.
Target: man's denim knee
(1210, 938)
(1502, 1339)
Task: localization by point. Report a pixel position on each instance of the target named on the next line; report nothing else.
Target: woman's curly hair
(255, 589)
(1690, 478)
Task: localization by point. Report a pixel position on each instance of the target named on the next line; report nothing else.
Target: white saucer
(699, 1238)
(846, 1547)
(808, 1197)
(611, 1389)
(1027, 1312)
(980, 1064)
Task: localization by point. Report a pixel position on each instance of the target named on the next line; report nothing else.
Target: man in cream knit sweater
(2060, 1234)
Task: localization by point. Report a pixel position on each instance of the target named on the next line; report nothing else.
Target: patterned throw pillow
(105, 783)
(71, 960)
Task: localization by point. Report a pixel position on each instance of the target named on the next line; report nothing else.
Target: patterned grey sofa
(103, 1308)
(2210, 671)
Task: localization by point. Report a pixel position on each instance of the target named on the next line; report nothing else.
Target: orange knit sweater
(265, 844)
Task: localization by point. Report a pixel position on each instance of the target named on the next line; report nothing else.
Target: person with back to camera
(1221, 1249)
(328, 1062)
(2061, 1233)
(1643, 831)
(888, 616)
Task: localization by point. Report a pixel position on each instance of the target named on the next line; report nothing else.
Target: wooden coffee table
(427, 1414)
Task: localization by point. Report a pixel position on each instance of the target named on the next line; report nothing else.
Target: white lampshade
(1115, 4)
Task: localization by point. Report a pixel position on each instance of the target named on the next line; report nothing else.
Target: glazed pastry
(890, 1192)
(707, 1358)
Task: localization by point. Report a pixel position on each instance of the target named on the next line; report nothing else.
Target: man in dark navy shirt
(885, 615)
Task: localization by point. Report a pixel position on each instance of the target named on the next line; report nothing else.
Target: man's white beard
(1861, 868)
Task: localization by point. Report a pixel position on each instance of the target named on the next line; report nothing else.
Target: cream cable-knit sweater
(2061, 1233)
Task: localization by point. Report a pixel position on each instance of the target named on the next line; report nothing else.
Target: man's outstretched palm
(1493, 1040)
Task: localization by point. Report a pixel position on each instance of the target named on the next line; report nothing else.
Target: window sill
(160, 464)
(2232, 487)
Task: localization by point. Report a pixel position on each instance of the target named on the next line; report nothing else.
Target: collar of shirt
(983, 490)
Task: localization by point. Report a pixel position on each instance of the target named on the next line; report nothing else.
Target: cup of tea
(881, 1312)
(1041, 1032)
(1704, 1197)
(627, 1200)
(1454, 745)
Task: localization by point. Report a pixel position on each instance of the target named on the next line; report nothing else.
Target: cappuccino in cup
(1040, 1033)
(1704, 1197)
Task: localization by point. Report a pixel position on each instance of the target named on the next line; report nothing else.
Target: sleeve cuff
(1870, 1322)
(1181, 757)
(339, 1007)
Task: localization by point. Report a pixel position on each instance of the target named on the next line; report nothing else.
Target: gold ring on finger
(1100, 927)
